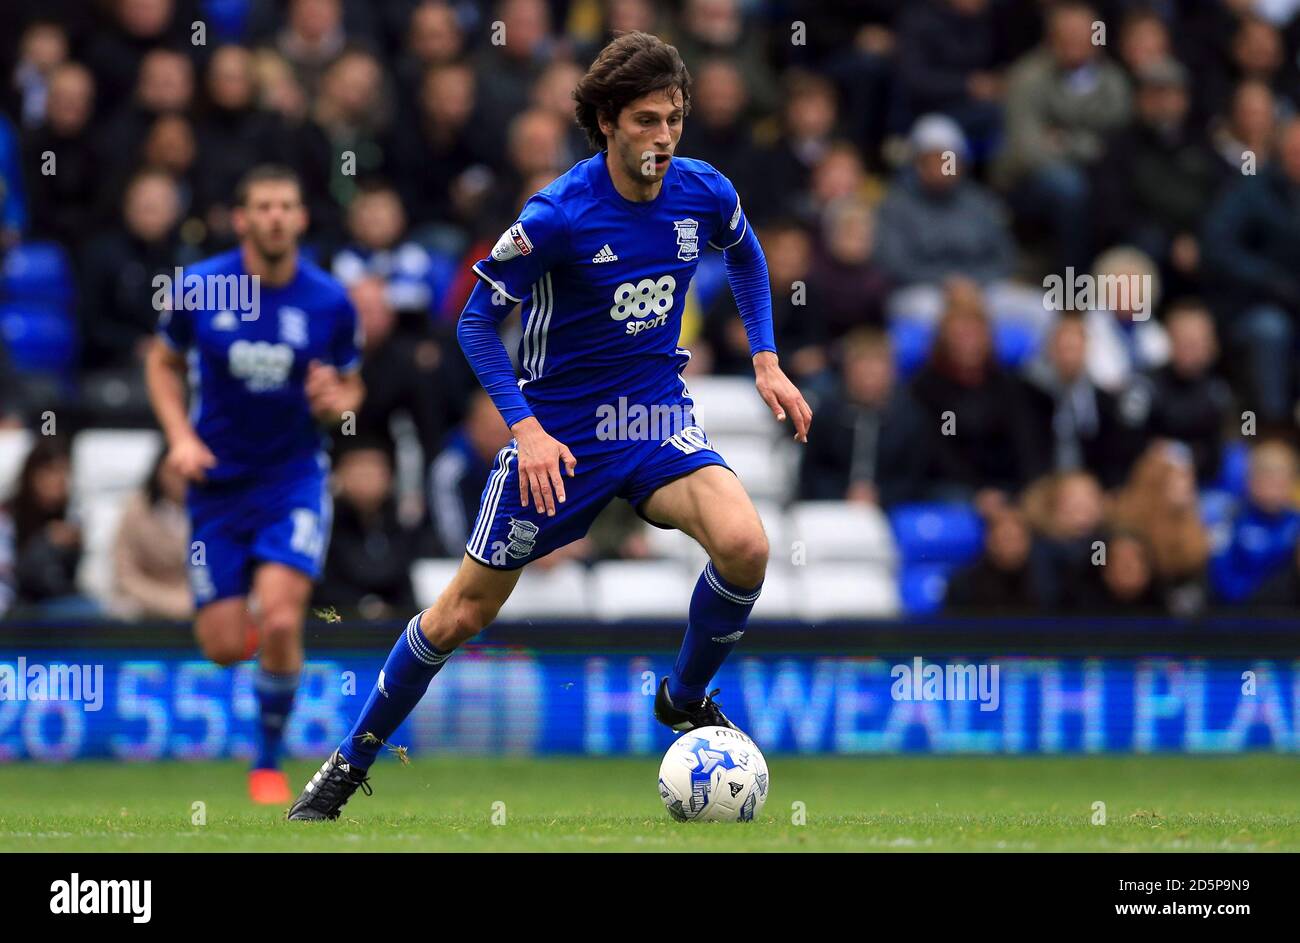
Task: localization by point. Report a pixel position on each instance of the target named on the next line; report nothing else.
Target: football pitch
(1152, 803)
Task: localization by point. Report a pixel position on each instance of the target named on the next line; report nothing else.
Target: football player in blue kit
(267, 342)
(601, 260)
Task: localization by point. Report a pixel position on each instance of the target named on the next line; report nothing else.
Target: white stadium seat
(634, 589)
(838, 530)
(430, 576)
(557, 593)
(100, 517)
(113, 460)
(765, 466)
(14, 446)
(847, 591)
(780, 591)
(728, 405)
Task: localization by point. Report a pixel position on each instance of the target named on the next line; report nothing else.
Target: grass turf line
(895, 803)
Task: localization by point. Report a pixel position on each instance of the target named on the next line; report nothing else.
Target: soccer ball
(713, 774)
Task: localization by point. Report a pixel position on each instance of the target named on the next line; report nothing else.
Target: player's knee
(742, 556)
(225, 653)
(279, 625)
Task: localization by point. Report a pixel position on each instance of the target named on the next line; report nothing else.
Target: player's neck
(629, 187)
(272, 273)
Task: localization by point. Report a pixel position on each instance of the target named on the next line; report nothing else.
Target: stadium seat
(100, 517)
(37, 273)
(228, 18)
(937, 533)
(846, 591)
(923, 587)
(911, 340)
(14, 446)
(766, 467)
(1234, 468)
(725, 405)
(430, 576)
(780, 591)
(40, 338)
(557, 593)
(113, 460)
(627, 589)
(674, 545)
(1013, 342)
(838, 530)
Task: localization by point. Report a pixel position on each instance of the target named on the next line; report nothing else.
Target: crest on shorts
(521, 538)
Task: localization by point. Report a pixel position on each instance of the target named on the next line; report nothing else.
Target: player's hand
(327, 394)
(781, 396)
(190, 458)
(540, 457)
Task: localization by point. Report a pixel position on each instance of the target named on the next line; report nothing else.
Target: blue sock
(405, 677)
(719, 611)
(275, 693)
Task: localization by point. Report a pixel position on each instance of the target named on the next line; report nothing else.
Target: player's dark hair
(264, 173)
(634, 64)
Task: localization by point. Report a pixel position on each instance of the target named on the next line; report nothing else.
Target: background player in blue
(263, 378)
(601, 260)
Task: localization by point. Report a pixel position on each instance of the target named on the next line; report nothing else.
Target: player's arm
(748, 278)
(164, 373)
(540, 455)
(334, 387)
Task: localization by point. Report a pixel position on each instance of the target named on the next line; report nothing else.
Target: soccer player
(602, 259)
(265, 377)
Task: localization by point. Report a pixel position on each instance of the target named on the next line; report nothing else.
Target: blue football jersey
(247, 376)
(603, 279)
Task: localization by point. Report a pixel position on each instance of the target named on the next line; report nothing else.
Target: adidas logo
(606, 254)
(733, 637)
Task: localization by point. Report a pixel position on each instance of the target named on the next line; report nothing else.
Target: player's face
(647, 133)
(272, 219)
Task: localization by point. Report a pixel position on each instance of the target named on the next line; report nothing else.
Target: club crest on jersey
(688, 239)
(293, 327)
(522, 536)
(514, 242)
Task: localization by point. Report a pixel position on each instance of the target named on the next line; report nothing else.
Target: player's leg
(225, 632)
(710, 505)
(282, 593)
(472, 599)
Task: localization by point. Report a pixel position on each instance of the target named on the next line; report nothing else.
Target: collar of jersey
(604, 185)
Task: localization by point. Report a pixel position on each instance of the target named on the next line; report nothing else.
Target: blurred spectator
(553, 94)
(936, 222)
(434, 38)
(1190, 403)
(719, 132)
(1061, 101)
(849, 462)
(42, 49)
(1160, 505)
(1158, 176)
(368, 565)
(999, 581)
(719, 28)
(508, 68)
(116, 54)
(1126, 585)
(118, 315)
(415, 377)
(948, 63)
(1075, 424)
(1243, 138)
(151, 549)
(1123, 337)
(1143, 41)
(46, 540)
(62, 163)
(1255, 231)
(165, 87)
(974, 435)
(808, 119)
(312, 39)
(1066, 512)
(13, 397)
(457, 475)
(377, 226)
(1263, 533)
(13, 199)
(534, 145)
(850, 285)
(353, 112)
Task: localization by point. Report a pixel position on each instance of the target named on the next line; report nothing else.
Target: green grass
(1175, 803)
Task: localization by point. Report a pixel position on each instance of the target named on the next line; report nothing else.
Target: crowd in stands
(915, 170)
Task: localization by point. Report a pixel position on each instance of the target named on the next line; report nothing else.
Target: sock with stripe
(275, 693)
(719, 611)
(405, 677)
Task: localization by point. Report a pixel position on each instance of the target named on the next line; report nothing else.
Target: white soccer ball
(713, 774)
